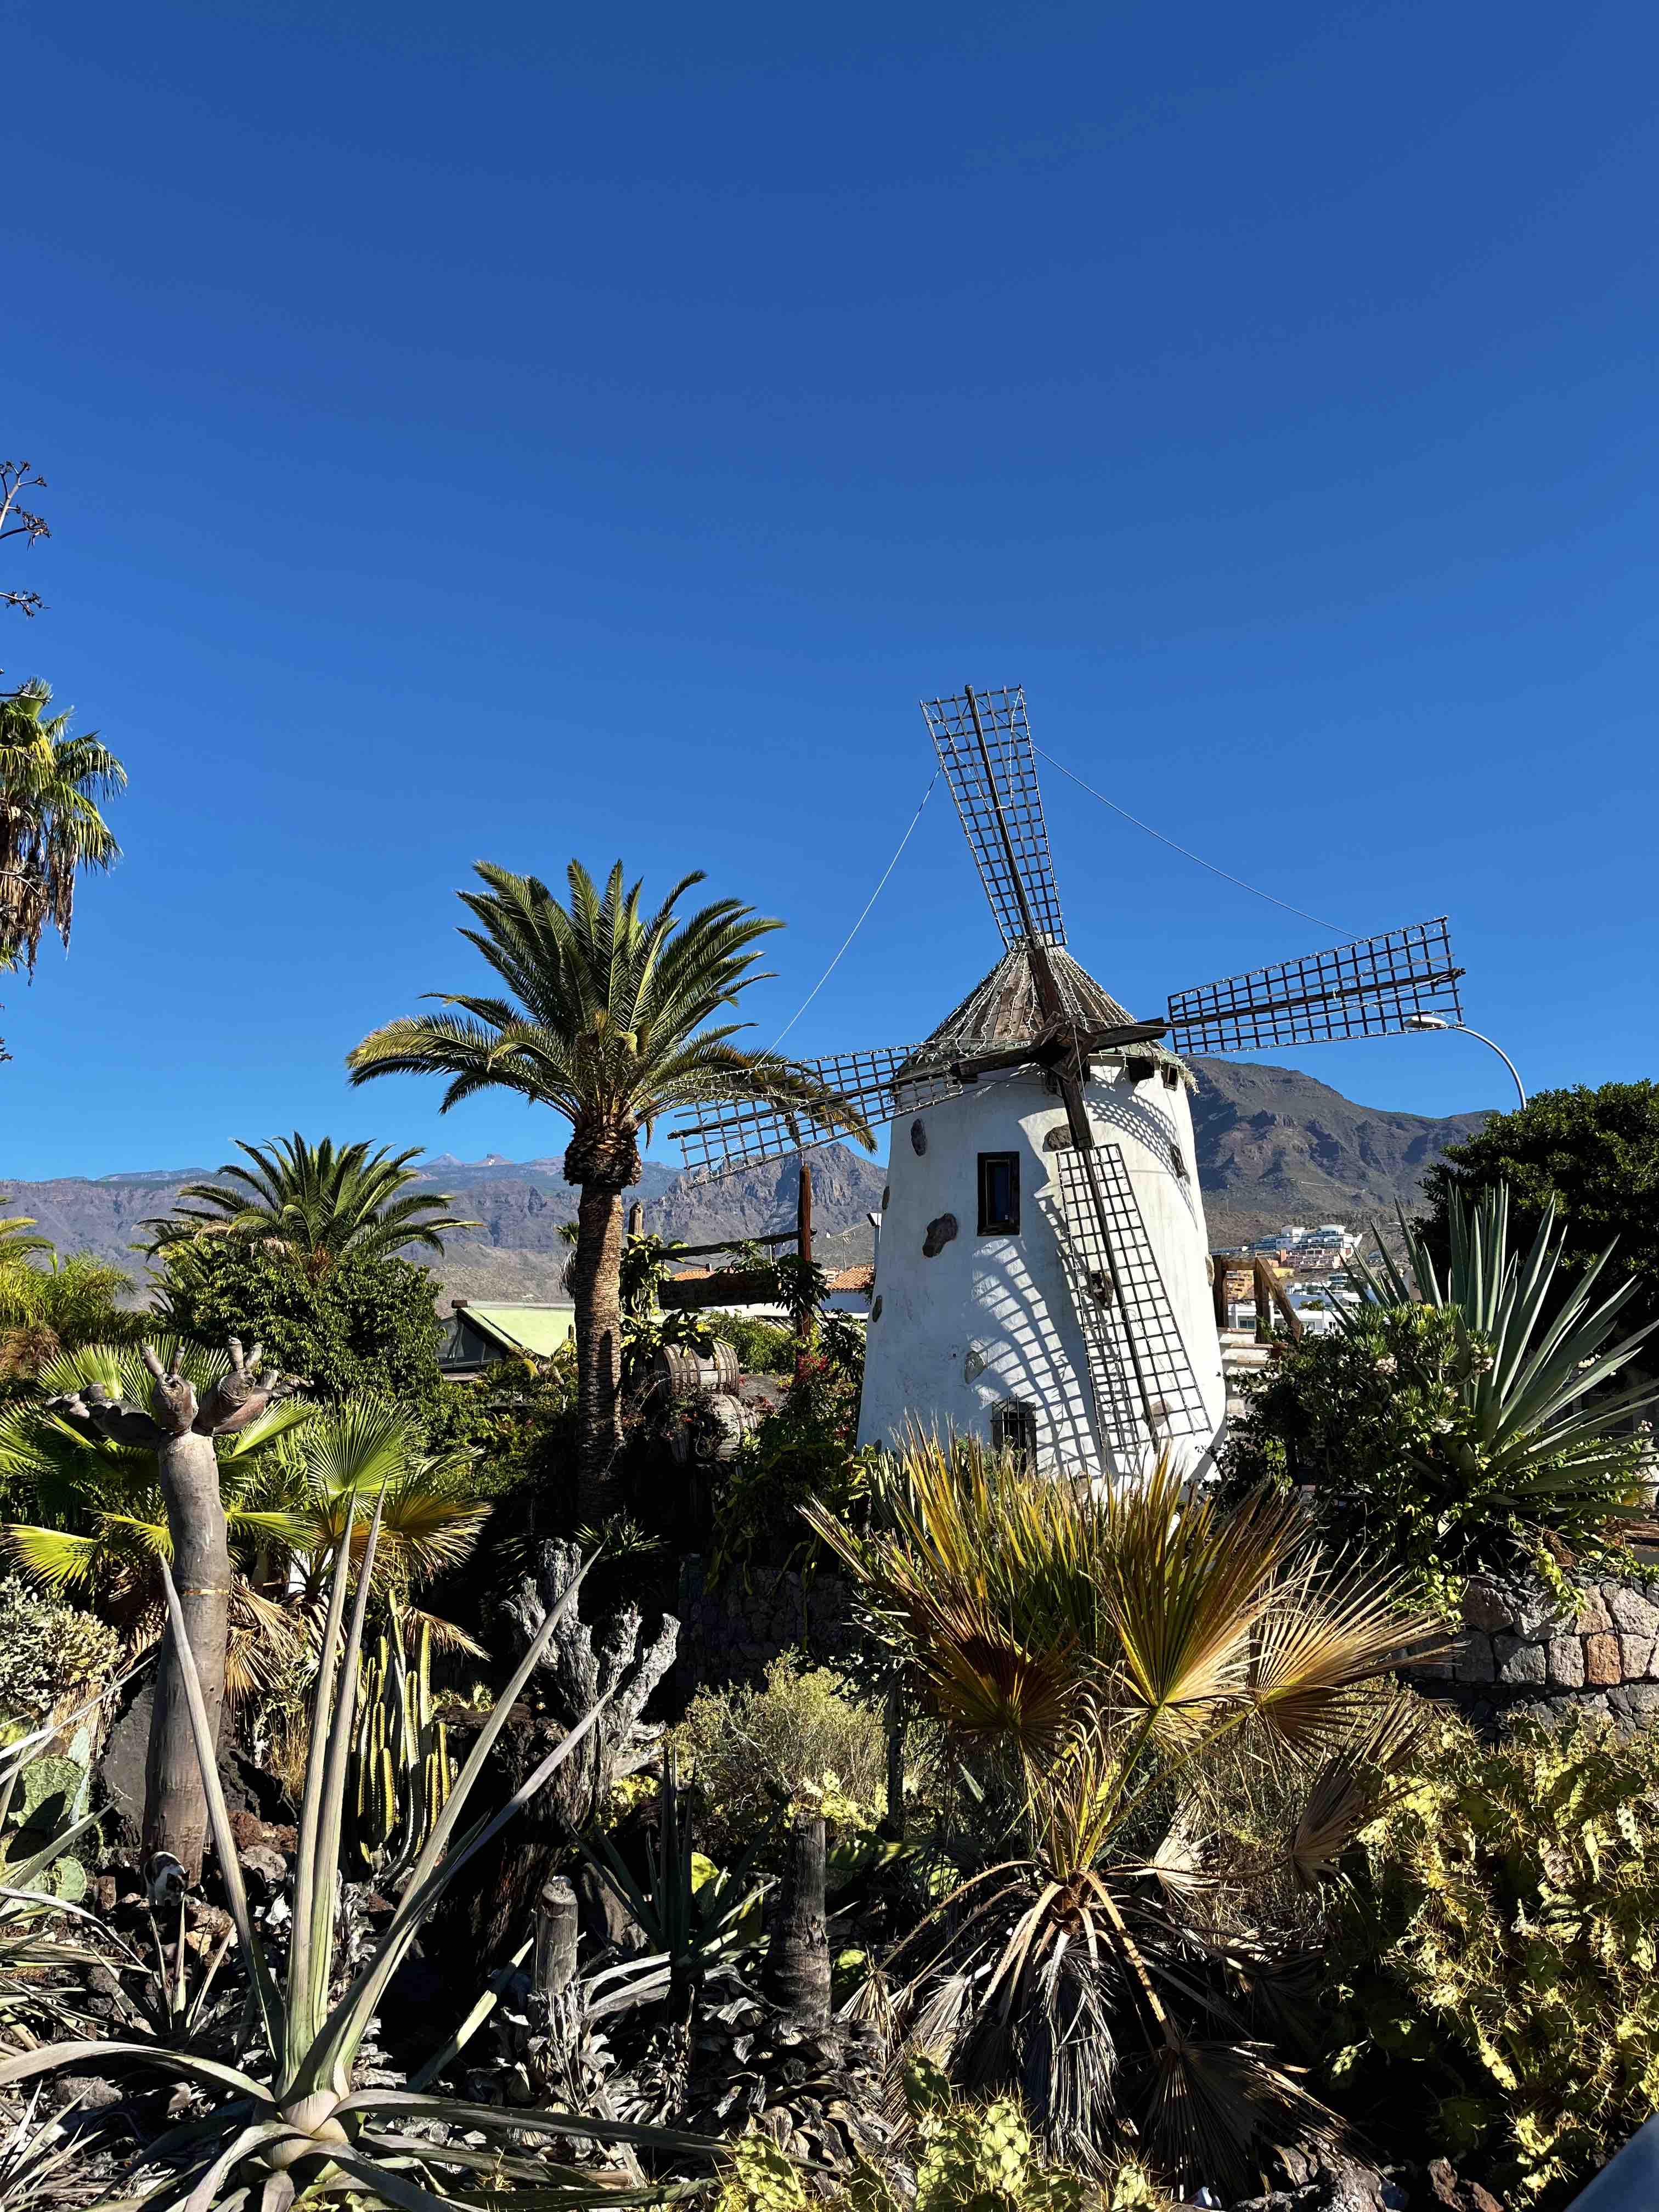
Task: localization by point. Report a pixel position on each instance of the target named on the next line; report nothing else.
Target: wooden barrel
(721, 1428)
(682, 1373)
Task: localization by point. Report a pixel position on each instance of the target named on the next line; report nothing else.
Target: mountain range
(1272, 1145)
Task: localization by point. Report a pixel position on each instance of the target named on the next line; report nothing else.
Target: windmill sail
(1372, 987)
(1119, 1293)
(880, 1084)
(1002, 811)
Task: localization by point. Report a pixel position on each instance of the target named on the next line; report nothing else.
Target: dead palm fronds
(1117, 1651)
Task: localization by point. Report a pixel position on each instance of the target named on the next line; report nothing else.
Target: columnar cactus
(400, 1755)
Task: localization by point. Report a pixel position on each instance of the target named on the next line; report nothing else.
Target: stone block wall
(731, 1632)
(1524, 1654)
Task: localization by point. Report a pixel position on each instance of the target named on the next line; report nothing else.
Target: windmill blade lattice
(1112, 1300)
(880, 1084)
(1372, 987)
(1008, 746)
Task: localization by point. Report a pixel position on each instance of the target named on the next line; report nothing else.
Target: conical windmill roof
(1004, 1011)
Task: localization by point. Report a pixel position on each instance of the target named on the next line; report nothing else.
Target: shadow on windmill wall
(1028, 1358)
(1149, 1125)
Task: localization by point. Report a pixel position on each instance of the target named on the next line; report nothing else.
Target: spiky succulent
(291, 2118)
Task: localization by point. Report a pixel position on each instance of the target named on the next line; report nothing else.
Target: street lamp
(1439, 1022)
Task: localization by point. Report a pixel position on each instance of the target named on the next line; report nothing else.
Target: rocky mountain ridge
(1272, 1145)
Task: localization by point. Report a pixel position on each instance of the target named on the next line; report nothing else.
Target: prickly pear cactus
(48, 1797)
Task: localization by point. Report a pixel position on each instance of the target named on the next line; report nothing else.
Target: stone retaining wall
(1524, 1654)
(731, 1633)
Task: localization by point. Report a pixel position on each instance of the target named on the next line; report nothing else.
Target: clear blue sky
(513, 432)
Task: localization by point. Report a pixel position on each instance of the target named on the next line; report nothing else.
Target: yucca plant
(1111, 1655)
(291, 2122)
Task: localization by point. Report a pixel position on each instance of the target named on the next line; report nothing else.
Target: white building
(988, 1317)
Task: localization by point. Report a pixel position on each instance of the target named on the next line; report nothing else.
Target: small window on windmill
(999, 1194)
(1177, 1159)
(1014, 1429)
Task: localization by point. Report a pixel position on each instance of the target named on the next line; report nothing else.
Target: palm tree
(51, 830)
(73, 1300)
(16, 1241)
(603, 1021)
(321, 1205)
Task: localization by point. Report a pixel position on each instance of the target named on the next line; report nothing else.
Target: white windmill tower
(1043, 1279)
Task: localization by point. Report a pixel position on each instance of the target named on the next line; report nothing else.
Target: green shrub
(967, 2157)
(753, 1751)
(47, 1649)
(1494, 1961)
(1380, 1419)
(368, 1324)
(762, 1348)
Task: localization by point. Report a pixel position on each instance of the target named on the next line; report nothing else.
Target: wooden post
(804, 1248)
(804, 1217)
(1270, 1294)
(893, 1826)
(555, 1963)
(796, 1976)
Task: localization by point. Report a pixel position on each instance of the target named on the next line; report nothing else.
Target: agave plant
(291, 2122)
(694, 1921)
(1114, 1654)
(1536, 1430)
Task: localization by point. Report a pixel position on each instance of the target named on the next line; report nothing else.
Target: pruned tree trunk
(797, 1971)
(596, 1288)
(554, 1964)
(175, 1796)
(180, 1430)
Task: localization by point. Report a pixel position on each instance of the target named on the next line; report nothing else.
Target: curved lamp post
(1437, 1022)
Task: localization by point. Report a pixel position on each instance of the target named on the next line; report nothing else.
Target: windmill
(1078, 1328)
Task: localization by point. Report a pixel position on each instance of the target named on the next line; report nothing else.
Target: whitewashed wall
(991, 1318)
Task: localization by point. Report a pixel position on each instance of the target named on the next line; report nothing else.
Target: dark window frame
(1014, 1429)
(1008, 1225)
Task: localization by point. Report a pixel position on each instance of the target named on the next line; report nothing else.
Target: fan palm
(604, 1020)
(1111, 1655)
(51, 830)
(331, 1474)
(320, 1203)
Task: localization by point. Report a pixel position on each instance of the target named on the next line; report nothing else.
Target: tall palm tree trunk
(175, 1801)
(596, 1286)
